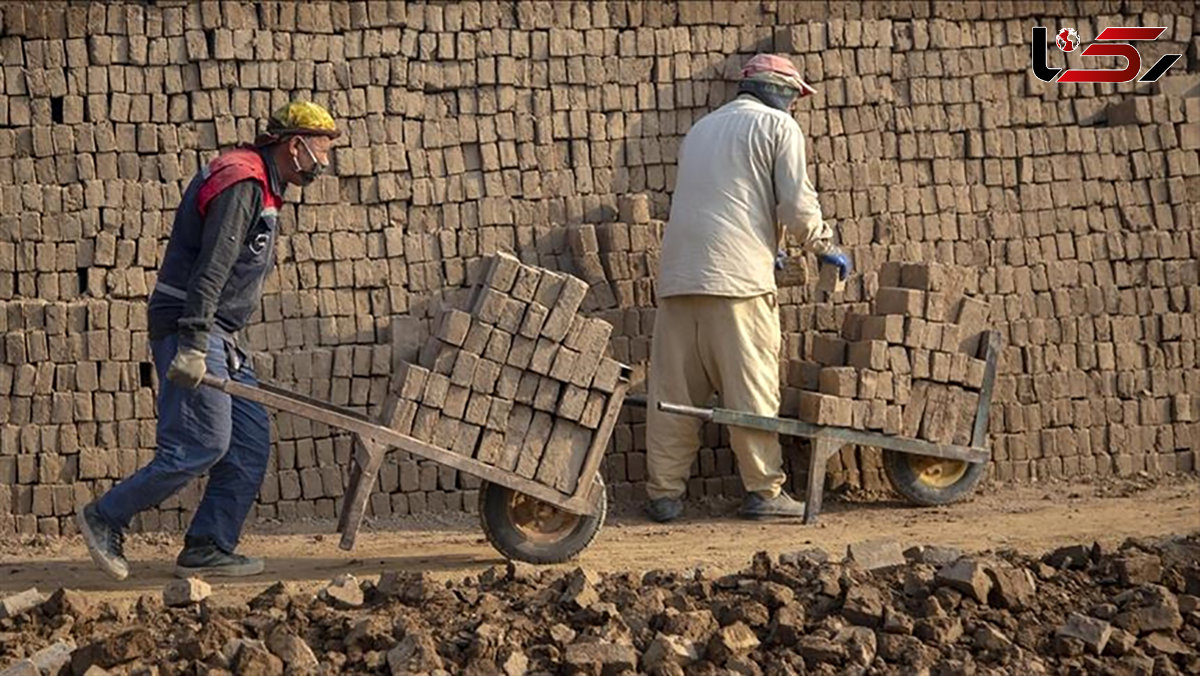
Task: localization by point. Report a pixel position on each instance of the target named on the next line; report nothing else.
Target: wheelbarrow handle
(679, 409)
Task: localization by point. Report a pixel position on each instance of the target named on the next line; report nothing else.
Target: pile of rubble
(1078, 609)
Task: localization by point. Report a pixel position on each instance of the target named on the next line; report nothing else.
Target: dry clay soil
(1029, 519)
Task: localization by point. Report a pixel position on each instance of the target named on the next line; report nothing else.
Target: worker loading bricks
(222, 248)
(742, 189)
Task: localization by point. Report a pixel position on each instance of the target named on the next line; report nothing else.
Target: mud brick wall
(486, 126)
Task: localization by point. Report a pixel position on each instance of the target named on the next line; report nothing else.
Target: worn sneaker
(755, 506)
(105, 543)
(207, 558)
(663, 510)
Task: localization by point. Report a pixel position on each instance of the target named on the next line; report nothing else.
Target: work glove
(838, 259)
(187, 368)
(780, 258)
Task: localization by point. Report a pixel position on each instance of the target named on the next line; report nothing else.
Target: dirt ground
(1029, 519)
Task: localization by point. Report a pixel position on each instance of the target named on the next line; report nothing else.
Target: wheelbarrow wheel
(523, 528)
(929, 481)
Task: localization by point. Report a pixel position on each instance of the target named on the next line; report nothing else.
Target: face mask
(309, 175)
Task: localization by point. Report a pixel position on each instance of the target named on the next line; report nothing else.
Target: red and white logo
(1067, 39)
(1111, 41)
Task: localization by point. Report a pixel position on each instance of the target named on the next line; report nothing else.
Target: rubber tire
(508, 540)
(907, 484)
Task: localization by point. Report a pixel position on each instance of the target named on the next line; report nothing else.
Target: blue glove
(839, 259)
(780, 258)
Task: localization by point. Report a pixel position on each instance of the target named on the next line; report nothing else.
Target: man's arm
(229, 217)
(797, 207)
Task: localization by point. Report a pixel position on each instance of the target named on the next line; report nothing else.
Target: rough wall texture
(492, 125)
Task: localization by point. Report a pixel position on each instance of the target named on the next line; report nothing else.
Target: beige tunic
(741, 184)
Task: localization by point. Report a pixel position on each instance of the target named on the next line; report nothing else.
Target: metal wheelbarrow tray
(523, 519)
(910, 464)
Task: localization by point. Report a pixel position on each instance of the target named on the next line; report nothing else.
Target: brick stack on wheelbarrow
(519, 379)
(910, 368)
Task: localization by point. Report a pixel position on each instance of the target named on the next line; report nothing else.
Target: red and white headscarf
(778, 70)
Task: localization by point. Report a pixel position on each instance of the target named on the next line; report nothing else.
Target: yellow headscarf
(303, 118)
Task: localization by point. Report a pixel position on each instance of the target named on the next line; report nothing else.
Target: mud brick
(527, 387)
(546, 398)
(897, 301)
(506, 384)
(515, 430)
(950, 338)
(805, 375)
(548, 289)
(497, 346)
(492, 446)
(543, 356)
(968, 405)
(572, 403)
(534, 320)
(898, 360)
(933, 336)
(445, 431)
(580, 443)
(939, 306)
(914, 410)
(398, 414)
(409, 383)
(477, 337)
(852, 327)
(829, 280)
(489, 305)
(941, 415)
(463, 373)
(829, 351)
(891, 273)
(972, 319)
(440, 358)
(534, 444)
(477, 408)
(1181, 407)
(564, 364)
(901, 388)
(839, 381)
(915, 329)
(608, 374)
(885, 386)
(868, 384)
(511, 316)
(824, 409)
(868, 354)
(465, 439)
(634, 208)
(975, 373)
(959, 363)
(526, 283)
(436, 387)
(876, 414)
(932, 277)
(502, 273)
(894, 420)
(940, 366)
(885, 327)
(593, 344)
(423, 423)
(859, 410)
(454, 327)
(486, 374)
(455, 403)
(521, 353)
(563, 312)
(503, 449)
(593, 410)
(498, 414)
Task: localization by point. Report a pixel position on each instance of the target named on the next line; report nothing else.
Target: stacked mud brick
(618, 260)
(910, 368)
(476, 127)
(521, 382)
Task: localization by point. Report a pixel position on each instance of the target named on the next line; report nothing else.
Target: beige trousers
(706, 344)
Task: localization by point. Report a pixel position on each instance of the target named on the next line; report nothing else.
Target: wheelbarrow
(922, 472)
(523, 519)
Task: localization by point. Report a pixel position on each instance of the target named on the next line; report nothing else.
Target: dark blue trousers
(200, 431)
